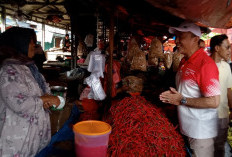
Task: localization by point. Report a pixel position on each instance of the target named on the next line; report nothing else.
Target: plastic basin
(91, 138)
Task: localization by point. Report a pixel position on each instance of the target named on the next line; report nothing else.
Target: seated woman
(24, 96)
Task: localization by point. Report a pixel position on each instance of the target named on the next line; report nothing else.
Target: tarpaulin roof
(213, 13)
(147, 15)
(47, 11)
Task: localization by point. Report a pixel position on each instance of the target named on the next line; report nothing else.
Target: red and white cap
(186, 27)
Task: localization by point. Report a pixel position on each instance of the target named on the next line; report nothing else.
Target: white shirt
(198, 77)
(225, 79)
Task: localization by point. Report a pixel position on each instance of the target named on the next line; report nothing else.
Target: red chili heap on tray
(140, 129)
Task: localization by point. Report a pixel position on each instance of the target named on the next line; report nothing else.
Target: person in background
(81, 60)
(202, 43)
(220, 50)
(67, 43)
(198, 91)
(39, 57)
(24, 96)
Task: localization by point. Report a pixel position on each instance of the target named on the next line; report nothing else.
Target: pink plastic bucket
(91, 138)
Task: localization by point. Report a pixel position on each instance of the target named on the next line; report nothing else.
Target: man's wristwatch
(183, 101)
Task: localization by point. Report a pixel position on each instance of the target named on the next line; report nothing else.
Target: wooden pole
(72, 50)
(3, 18)
(110, 59)
(43, 36)
(74, 44)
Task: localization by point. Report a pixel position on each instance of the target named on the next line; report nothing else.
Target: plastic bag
(96, 92)
(89, 40)
(75, 74)
(97, 63)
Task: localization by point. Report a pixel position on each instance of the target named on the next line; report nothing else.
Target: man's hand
(171, 96)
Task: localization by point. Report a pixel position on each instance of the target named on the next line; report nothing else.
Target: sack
(177, 57)
(132, 46)
(134, 84)
(139, 61)
(168, 60)
(156, 49)
(153, 61)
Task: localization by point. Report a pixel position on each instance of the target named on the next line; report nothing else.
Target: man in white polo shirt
(220, 49)
(198, 91)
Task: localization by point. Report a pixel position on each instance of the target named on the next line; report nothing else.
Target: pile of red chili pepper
(139, 128)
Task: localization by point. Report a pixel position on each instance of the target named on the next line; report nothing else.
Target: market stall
(134, 34)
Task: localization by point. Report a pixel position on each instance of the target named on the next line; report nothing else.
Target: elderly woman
(24, 96)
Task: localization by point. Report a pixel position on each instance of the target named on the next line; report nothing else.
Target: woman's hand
(50, 100)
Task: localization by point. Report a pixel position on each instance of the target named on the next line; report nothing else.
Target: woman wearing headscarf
(24, 96)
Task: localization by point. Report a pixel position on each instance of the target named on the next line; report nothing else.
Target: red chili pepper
(139, 128)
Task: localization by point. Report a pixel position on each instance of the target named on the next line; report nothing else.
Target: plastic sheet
(75, 74)
(216, 13)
